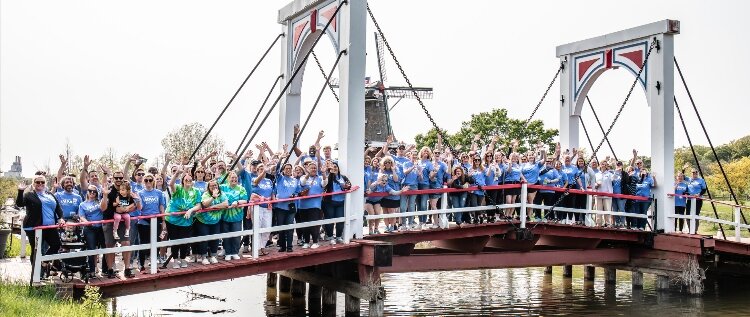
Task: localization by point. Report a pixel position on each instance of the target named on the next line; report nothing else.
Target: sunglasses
(140, 174)
(118, 178)
(93, 191)
(40, 182)
(148, 180)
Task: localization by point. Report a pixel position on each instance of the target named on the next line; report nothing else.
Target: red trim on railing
(588, 192)
(447, 190)
(248, 204)
(709, 200)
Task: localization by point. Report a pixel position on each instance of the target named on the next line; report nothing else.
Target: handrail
(262, 201)
(510, 186)
(709, 200)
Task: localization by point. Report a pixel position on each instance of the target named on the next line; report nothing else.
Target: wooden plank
(732, 247)
(561, 230)
(567, 242)
(509, 242)
(469, 245)
(375, 253)
(331, 283)
(509, 259)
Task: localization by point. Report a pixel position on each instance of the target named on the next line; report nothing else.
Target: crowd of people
(207, 196)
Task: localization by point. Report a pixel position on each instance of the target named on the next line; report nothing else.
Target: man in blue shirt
(69, 201)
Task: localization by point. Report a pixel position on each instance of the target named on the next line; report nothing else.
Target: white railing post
(154, 254)
(37, 268)
(23, 243)
(589, 218)
(693, 202)
(348, 219)
(737, 230)
(444, 207)
(523, 213)
(255, 241)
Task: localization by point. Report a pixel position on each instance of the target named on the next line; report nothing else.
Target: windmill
(377, 111)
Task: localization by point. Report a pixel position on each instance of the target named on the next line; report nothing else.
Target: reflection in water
(505, 292)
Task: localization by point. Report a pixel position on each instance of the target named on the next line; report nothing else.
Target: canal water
(500, 292)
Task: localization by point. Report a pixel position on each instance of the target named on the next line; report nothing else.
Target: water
(501, 292)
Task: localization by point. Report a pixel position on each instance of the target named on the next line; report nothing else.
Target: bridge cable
(700, 170)
(557, 74)
(289, 82)
(713, 150)
(236, 152)
(327, 77)
(600, 127)
(453, 151)
(234, 96)
(654, 44)
(307, 120)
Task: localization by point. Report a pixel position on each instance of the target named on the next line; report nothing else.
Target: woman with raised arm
(476, 198)
(185, 198)
(513, 175)
(392, 203)
(334, 205)
(287, 186)
(531, 167)
(310, 208)
(263, 190)
(42, 209)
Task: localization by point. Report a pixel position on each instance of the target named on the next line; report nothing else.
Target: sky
(101, 74)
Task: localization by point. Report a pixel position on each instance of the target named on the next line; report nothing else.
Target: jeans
(135, 239)
(334, 209)
(50, 236)
(458, 201)
(423, 201)
(212, 246)
(94, 240)
(408, 204)
(309, 234)
(284, 217)
(618, 204)
(641, 207)
(231, 245)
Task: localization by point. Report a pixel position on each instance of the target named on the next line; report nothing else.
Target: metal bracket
(562, 100)
(524, 234)
(658, 87)
(658, 45)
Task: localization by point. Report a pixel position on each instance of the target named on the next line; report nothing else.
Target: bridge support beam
(589, 272)
(637, 279)
(548, 270)
(285, 284)
(298, 288)
(662, 282)
(314, 297)
(351, 306)
(567, 271)
(610, 275)
(271, 280)
(329, 298)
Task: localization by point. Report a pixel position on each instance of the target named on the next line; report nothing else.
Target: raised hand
(285, 148)
(86, 162)
(635, 152)
(296, 130)
(63, 160)
(389, 139)
(22, 185)
(321, 134)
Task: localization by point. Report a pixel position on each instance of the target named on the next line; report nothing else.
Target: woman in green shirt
(186, 198)
(231, 219)
(208, 222)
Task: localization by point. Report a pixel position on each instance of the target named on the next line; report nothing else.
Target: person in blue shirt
(200, 179)
(263, 189)
(412, 172)
(531, 168)
(550, 177)
(153, 203)
(334, 205)
(90, 210)
(287, 186)
(310, 208)
(580, 199)
(392, 203)
(42, 209)
(477, 172)
(696, 187)
(69, 201)
(643, 189)
(618, 204)
(680, 188)
(380, 185)
(513, 175)
(492, 179)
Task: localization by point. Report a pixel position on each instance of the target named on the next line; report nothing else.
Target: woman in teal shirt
(208, 222)
(186, 198)
(231, 219)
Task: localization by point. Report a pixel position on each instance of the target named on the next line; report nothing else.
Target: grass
(19, 299)
(14, 247)
(725, 213)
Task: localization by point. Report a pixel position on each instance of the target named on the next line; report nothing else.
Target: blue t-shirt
(479, 179)
(314, 186)
(617, 182)
(531, 171)
(425, 166)
(393, 184)
(48, 208)
(286, 187)
(550, 178)
(69, 203)
(264, 189)
(91, 211)
(569, 173)
(200, 185)
(681, 188)
(338, 185)
(136, 188)
(643, 188)
(400, 160)
(411, 178)
(150, 202)
(695, 185)
(490, 179)
(514, 175)
(380, 189)
(246, 180)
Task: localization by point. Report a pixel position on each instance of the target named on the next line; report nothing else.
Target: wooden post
(329, 297)
(610, 275)
(313, 297)
(377, 307)
(351, 306)
(271, 280)
(567, 271)
(662, 282)
(298, 288)
(637, 279)
(285, 284)
(589, 272)
(548, 270)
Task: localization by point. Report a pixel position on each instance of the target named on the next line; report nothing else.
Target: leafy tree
(8, 188)
(495, 123)
(110, 160)
(182, 142)
(737, 172)
(429, 139)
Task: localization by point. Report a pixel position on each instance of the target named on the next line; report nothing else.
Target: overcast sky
(123, 74)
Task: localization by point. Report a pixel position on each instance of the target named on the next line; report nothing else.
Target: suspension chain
(557, 74)
(630, 92)
(328, 80)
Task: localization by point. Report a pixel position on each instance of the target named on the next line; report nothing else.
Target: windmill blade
(379, 48)
(405, 92)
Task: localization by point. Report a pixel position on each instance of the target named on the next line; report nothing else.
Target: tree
(429, 139)
(8, 188)
(183, 141)
(496, 123)
(737, 172)
(110, 160)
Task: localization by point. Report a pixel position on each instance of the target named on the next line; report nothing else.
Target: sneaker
(246, 249)
(116, 236)
(434, 226)
(314, 246)
(127, 233)
(129, 273)
(300, 243)
(227, 257)
(340, 240)
(213, 260)
(236, 256)
(305, 246)
(418, 227)
(377, 231)
(111, 273)
(176, 264)
(333, 241)
(205, 261)
(220, 252)
(184, 263)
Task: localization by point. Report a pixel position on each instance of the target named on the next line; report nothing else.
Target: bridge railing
(693, 215)
(153, 245)
(522, 204)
